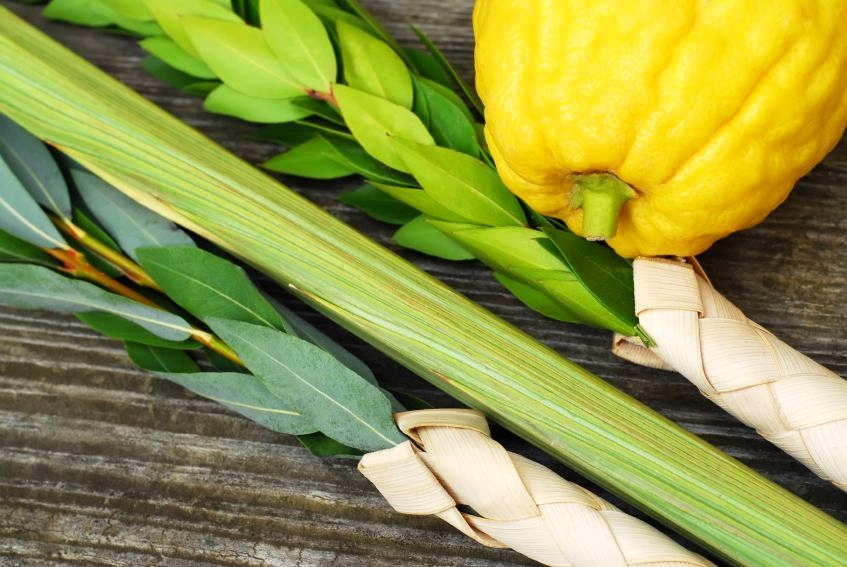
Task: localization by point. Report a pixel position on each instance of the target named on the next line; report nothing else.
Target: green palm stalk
(458, 346)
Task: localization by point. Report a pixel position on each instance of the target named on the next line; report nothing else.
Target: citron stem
(601, 196)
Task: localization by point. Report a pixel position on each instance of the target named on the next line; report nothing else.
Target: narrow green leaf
(331, 14)
(462, 184)
(428, 66)
(379, 204)
(534, 298)
(374, 121)
(419, 199)
(607, 276)
(166, 73)
(372, 66)
(21, 216)
(172, 54)
(322, 446)
(228, 101)
(117, 327)
(36, 287)
(207, 285)
(83, 221)
(94, 13)
(312, 159)
(129, 223)
(13, 249)
(240, 56)
(421, 236)
(31, 162)
(171, 16)
(299, 40)
(321, 109)
(295, 133)
(161, 360)
(448, 118)
(334, 398)
(354, 156)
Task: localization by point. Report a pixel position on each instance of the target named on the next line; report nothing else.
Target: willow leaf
(83, 221)
(372, 66)
(20, 214)
(119, 328)
(379, 204)
(422, 236)
(129, 223)
(330, 395)
(156, 359)
(36, 287)
(31, 162)
(207, 285)
(374, 120)
(228, 101)
(299, 40)
(13, 249)
(322, 446)
(172, 54)
(171, 15)
(312, 159)
(462, 184)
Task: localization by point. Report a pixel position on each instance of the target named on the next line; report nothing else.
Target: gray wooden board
(101, 464)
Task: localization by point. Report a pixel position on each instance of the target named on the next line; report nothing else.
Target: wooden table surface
(101, 464)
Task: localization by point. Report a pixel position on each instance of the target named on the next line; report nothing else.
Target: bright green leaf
(207, 285)
(379, 204)
(13, 249)
(131, 10)
(350, 154)
(462, 184)
(229, 102)
(374, 121)
(448, 118)
(534, 298)
(240, 56)
(166, 73)
(172, 54)
(334, 398)
(117, 327)
(372, 66)
(311, 159)
(130, 224)
(94, 13)
(171, 16)
(421, 201)
(300, 41)
(421, 236)
(36, 287)
(31, 162)
(21, 216)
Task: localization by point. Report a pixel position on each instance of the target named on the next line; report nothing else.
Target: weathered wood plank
(101, 464)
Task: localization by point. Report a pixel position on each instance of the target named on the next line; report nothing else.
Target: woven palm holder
(792, 401)
(451, 461)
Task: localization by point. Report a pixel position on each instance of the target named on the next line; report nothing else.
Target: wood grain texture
(100, 464)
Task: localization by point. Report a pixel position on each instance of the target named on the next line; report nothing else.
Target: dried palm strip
(452, 342)
(517, 503)
(791, 400)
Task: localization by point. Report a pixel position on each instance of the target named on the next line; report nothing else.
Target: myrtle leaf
(372, 66)
(166, 73)
(334, 398)
(173, 55)
(36, 287)
(21, 216)
(421, 201)
(13, 249)
(422, 236)
(352, 155)
(429, 66)
(31, 162)
(240, 56)
(94, 13)
(171, 16)
(379, 204)
(117, 327)
(312, 159)
(374, 121)
(130, 224)
(229, 102)
(321, 109)
(449, 122)
(207, 285)
(299, 40)
(535, 298)
(462, 184)
(332, 14)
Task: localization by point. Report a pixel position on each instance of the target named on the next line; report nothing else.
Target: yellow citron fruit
(710, 110)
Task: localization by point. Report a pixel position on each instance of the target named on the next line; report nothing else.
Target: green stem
(601, 196)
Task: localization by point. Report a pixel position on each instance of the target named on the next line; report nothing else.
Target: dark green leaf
(36, 287)
(129, 223)
(321, 109)
(534, 298)
(322, 446)
(31, 162)
(173, 55)
(300, 42)
(21, 216)
(223, 364)
(379, 204)
(228, 101)
(83, 221)
(239, 55)
(337, 400)
(13, 249)
(448, 122)
(374, 121)
(466, 89)
(607, 276)
(331, 14)
(166, 73)
(171, 16)
(206, 285)
(312, 159)
(428, 66)
(352, 155)
(293, 134)
(116, 327)
(372, 66)
(162, 360)
(422, 236)
(410, 401)
(419, 200)
(462, 184)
